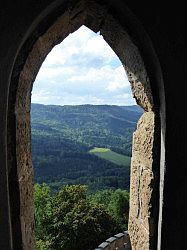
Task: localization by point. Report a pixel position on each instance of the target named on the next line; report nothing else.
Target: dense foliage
(70, 220)
(64, 135)
(43, 213)
(116, 203)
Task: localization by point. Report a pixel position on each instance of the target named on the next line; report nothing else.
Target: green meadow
(111, 156)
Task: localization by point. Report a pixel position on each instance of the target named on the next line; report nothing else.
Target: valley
(83, 144)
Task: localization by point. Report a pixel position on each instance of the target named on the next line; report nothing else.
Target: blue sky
(83, 69)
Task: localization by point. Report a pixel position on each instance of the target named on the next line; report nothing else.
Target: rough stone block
(104, 245)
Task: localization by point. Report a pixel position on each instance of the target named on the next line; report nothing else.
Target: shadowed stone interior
(96, 18)
(157, 218)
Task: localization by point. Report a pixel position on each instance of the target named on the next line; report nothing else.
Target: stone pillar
(24, 163)
(142, 183)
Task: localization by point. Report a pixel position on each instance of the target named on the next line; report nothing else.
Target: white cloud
(97, 46)
(82, 69)
(54, 73)
(118, 80)
(114, 86)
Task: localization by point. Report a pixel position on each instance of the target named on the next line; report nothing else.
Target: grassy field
(109, 155)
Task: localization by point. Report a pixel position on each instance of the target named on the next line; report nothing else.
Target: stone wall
(141, 221)
(97, 18)
(43, 36)
(165, 60)
(120, 241)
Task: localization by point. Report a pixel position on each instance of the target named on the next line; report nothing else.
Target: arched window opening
(83, 116)
(44, 35)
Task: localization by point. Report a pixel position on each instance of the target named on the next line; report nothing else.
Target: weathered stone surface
(112, 242)
(119, 241)
(142, 178)
(104, 245)
(25, 179)
(131, 59)
(160, 35)
(97, 17)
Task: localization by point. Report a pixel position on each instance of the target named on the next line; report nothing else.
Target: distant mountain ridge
(63, 135)
(91, 125)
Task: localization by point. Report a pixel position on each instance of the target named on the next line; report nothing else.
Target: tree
(69, 220)
(43, 212)
(77, 223)
(116, 203)
(102, 197)
(119, 207)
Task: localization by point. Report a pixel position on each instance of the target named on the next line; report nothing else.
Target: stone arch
(144, 196)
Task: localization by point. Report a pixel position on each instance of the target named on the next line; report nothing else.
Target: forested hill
(62, 137)
(89, 125)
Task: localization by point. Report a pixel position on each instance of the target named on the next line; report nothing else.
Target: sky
(83, 69)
